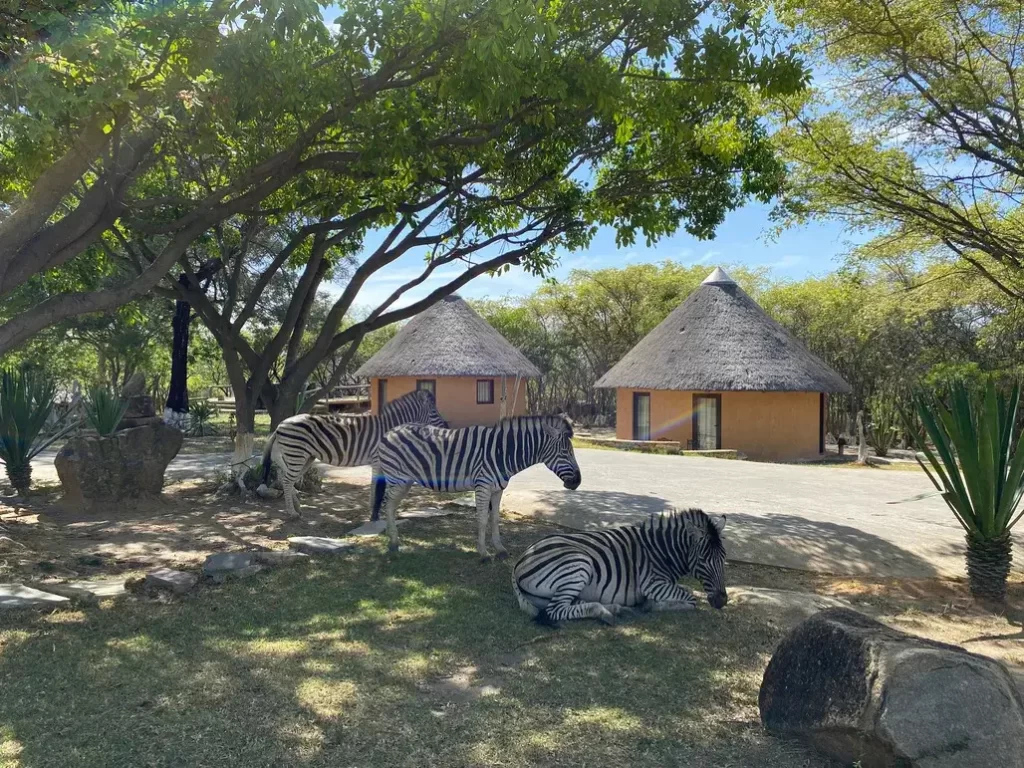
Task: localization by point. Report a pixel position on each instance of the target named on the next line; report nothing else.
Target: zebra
(480, 458)
(599, 574)
(344, 441)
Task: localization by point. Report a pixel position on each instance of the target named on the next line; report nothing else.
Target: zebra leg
(564, 606)
(289, 477)
(483, 511)
(665, 596)
(393, 495)
(495, 511)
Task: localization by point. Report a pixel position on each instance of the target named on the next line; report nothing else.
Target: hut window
(484, 391)
(382, 392)
(428, 384)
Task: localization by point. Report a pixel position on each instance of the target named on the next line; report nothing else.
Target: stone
(864, 693)
(20, 596)
(170, 580)
(373, 528)
(230, 565)
(268, 493)
(7, 545)
(136, 385)
(320, 545)
(101, 588)
(420, 514)
(278, 558)
(97, 470)
(75, 595)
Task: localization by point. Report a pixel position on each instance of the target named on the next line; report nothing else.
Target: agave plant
(978, 468)
(200, 418)
(26, 401)
(884, 416)
(104, 410)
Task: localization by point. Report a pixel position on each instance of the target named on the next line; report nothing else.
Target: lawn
(415, 659)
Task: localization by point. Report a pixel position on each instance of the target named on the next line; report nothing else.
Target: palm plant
(26, 402)
(104, 410)
(978, 468)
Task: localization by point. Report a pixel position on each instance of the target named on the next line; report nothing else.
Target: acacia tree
(919, 138)
(511, 131)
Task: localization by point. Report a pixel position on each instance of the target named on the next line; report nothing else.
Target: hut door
(707, 425)
(641, 416)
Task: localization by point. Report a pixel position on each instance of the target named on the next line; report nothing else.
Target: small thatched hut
(475, 374)
(718, 373)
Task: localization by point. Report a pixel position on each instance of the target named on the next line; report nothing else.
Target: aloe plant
(26, 402)
(978, 468)
(104, 410)
(884, 416)
(200, 418)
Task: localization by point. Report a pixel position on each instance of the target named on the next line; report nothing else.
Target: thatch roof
(719, 339)
(448, 339)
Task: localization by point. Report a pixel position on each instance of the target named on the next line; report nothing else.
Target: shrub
(104, 410)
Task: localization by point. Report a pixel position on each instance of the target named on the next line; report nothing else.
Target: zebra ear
(719, 523)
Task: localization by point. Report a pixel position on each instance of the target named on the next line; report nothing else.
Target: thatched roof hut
(719, 339)
(448, 339)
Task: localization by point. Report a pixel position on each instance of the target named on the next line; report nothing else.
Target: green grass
(342, 663)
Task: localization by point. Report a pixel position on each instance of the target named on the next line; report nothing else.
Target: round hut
(476, 376)
(718, 373)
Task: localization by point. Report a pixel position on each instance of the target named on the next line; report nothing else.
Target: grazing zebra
(599, 574)
(344, 441)
(482, 459)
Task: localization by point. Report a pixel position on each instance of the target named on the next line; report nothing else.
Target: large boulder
(128, 464)
(860, 691)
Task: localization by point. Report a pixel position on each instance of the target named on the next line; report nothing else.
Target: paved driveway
(813, 517)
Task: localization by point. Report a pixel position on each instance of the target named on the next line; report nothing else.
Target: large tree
(916, 136)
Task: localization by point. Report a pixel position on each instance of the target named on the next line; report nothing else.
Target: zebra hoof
(502, 555)
(392, 547)
(485, 560)
(607, 618)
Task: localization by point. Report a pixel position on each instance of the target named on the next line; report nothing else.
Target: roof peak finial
(719, 277)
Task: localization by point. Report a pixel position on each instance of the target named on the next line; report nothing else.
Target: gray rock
(77, 596)
(419, 514)
(128, 464)
(230, 565)
(171, 580)
(136, 386)
(7, 544)
(20, 596)
(100, 587)
(320, 545)
(788, 606)
(860, 691)
(278, 558)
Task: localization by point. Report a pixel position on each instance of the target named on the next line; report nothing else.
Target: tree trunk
(862, 445)
(988, 566)
(176, 410)
(20, 477)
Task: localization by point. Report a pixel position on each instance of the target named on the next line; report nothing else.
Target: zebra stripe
(481, 459)
(344, 441)
(598, 574)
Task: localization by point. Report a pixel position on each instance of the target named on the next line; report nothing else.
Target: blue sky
(743, 238)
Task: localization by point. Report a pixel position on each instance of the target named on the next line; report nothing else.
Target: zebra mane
(537, 418)
(696, 518)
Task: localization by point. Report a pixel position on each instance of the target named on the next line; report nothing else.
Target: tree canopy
(915, 132)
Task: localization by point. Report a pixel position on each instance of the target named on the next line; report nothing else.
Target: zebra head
(427, 409)
(556, 451)
(708, 557)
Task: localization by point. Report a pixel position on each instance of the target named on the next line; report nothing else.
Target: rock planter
(128, 464)
(864, 693)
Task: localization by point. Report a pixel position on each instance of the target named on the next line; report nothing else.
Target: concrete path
(819, 518)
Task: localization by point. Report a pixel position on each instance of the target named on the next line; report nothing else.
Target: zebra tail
(267, 460)
(379, 486)
(540, 615)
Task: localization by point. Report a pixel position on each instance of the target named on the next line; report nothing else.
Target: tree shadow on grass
(785, 540)
(337, 662)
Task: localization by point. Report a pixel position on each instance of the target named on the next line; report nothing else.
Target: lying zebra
(480, 459)
(599, 574)
(344, 441)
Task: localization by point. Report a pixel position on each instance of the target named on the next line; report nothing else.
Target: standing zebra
(344, 441)
(598, 574)
(482, 459)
